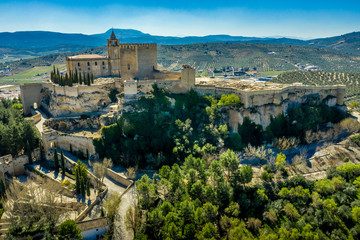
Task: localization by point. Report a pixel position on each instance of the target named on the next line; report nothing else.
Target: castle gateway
(128, 61)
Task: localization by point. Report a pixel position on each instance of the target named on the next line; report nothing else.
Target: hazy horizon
(303, 20)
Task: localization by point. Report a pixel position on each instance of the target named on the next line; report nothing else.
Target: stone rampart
(118, 177)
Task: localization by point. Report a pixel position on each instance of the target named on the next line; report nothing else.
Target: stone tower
(113, 45)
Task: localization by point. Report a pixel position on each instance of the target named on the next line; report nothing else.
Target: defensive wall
(16, 166)
(255, 98)
(52, 138)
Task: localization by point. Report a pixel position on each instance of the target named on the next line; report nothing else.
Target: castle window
(88, 63)
(78, 64)
(95, 63)
(103, 67)
(128, 66)
(103, 63)
(89, 69)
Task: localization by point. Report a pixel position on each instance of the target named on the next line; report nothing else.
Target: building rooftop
(87, 56)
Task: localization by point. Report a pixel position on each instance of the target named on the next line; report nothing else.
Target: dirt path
(120, 230)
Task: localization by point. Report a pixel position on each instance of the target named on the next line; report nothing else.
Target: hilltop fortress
(130, 70)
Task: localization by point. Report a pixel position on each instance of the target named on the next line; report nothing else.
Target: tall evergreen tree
(62, 162)
(2, 188)
(88, 79)
(77, 181)
(56, 160)
(92, 78)
(42, 154)
(28, 148)
(88, 187)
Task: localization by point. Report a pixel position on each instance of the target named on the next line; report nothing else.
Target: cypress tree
(92, 78)
(76, 77)
(88, 79)
(42, 155)
(88, 187)
(29, 152)
(82, 185)
(80, 79)
(56, 160)
(62, 162)
(2, 188)
(77, 181)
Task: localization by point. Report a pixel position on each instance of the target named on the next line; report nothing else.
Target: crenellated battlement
(137, 45)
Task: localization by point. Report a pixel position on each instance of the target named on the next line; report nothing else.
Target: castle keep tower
(114, 55)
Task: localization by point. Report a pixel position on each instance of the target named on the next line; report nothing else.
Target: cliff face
(62, 105)
(262, 114)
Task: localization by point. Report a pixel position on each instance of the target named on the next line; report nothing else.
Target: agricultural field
(265, 58)
(349, 79)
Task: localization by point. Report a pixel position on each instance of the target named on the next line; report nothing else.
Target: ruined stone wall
(16, 166)
(78, 143)
(98, 67)
(31, 93)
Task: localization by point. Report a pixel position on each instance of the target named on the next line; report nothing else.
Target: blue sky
(302, 18)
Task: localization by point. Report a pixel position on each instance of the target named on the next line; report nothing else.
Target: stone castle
(131, 70)
(128, 61)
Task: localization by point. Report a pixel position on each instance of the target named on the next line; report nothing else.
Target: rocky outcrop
(262, 114)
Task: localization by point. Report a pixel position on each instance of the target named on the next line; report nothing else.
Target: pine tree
(62, 162)
(29, 152)
(56, 160)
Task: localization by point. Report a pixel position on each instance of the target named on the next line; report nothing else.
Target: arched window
(128, 66)
(88, 63)
(95, 63)
(78, 64)
(103, 63)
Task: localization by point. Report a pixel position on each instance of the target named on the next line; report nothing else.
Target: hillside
(41, 43)
(210, 56)
(351, 80)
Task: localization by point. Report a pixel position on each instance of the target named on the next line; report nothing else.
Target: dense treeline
(212, 201)
(16, 133)
(159, 132)
(71, 78)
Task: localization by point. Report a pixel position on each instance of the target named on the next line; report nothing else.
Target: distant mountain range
(43, 43)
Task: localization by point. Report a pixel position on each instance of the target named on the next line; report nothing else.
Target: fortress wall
(147, 60)
(30, 94)
(79, 143)
(129, 68)
(269, 96)
(163, 75)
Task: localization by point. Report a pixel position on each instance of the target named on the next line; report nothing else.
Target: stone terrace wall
(271, 96)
